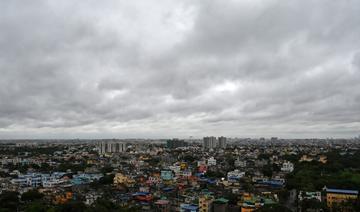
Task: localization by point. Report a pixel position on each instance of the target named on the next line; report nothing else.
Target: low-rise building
(211, 161)
(123, 179)
(240, 163)
(309, 195)
(337, 196)
(206, 203)
(184, 207)
(235, 175)
(287, 166)
(167, 175)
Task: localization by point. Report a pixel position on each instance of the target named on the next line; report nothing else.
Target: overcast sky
(179, 68)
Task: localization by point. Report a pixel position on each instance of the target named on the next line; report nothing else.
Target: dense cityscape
(193, 175)
(180, 106)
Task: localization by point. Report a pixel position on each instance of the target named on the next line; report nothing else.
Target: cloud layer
(179, 68)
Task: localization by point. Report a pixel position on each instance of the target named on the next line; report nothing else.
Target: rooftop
(342, 191)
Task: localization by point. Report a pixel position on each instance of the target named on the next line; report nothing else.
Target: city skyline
(164, 69)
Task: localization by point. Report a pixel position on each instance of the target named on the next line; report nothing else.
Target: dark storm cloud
(170, 68)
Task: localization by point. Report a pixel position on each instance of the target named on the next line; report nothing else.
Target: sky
(170, 68)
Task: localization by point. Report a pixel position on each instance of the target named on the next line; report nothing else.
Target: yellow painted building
(183, 165)
(336, 196)
(247, 209)
(123, 179)
(323, 159)
(205, 203)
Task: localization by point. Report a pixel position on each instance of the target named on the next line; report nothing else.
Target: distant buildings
(111, 147)
(212, 143)
(274, 139)
(175, 143)
(152, 177)
(222, 142)
(209, 142)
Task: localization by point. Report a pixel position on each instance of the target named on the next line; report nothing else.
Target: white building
(235, 175)
(53, 183)
(176, 169)
(36, 179)
(211, 161)
(287, 167)
(309, 195)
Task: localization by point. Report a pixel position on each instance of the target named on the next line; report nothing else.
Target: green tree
(31, 196)
(9, 201)
(72, 206)
(107, 169)
(37, 206)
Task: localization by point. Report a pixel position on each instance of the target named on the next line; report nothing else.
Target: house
(287, 166)
(205, 203)
(336, 196)
(176, 169)
(322, 159)
(235, 175)
(63, 198)
(202, 168)
(162, 205)
(167, 175)
(309, 195)
(306, 158)
(211, 161)
(188, 208)
(123, 179)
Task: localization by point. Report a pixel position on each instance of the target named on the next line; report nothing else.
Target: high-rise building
(210, 142)
(175, 143)
(111, 147)
(222, 142)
